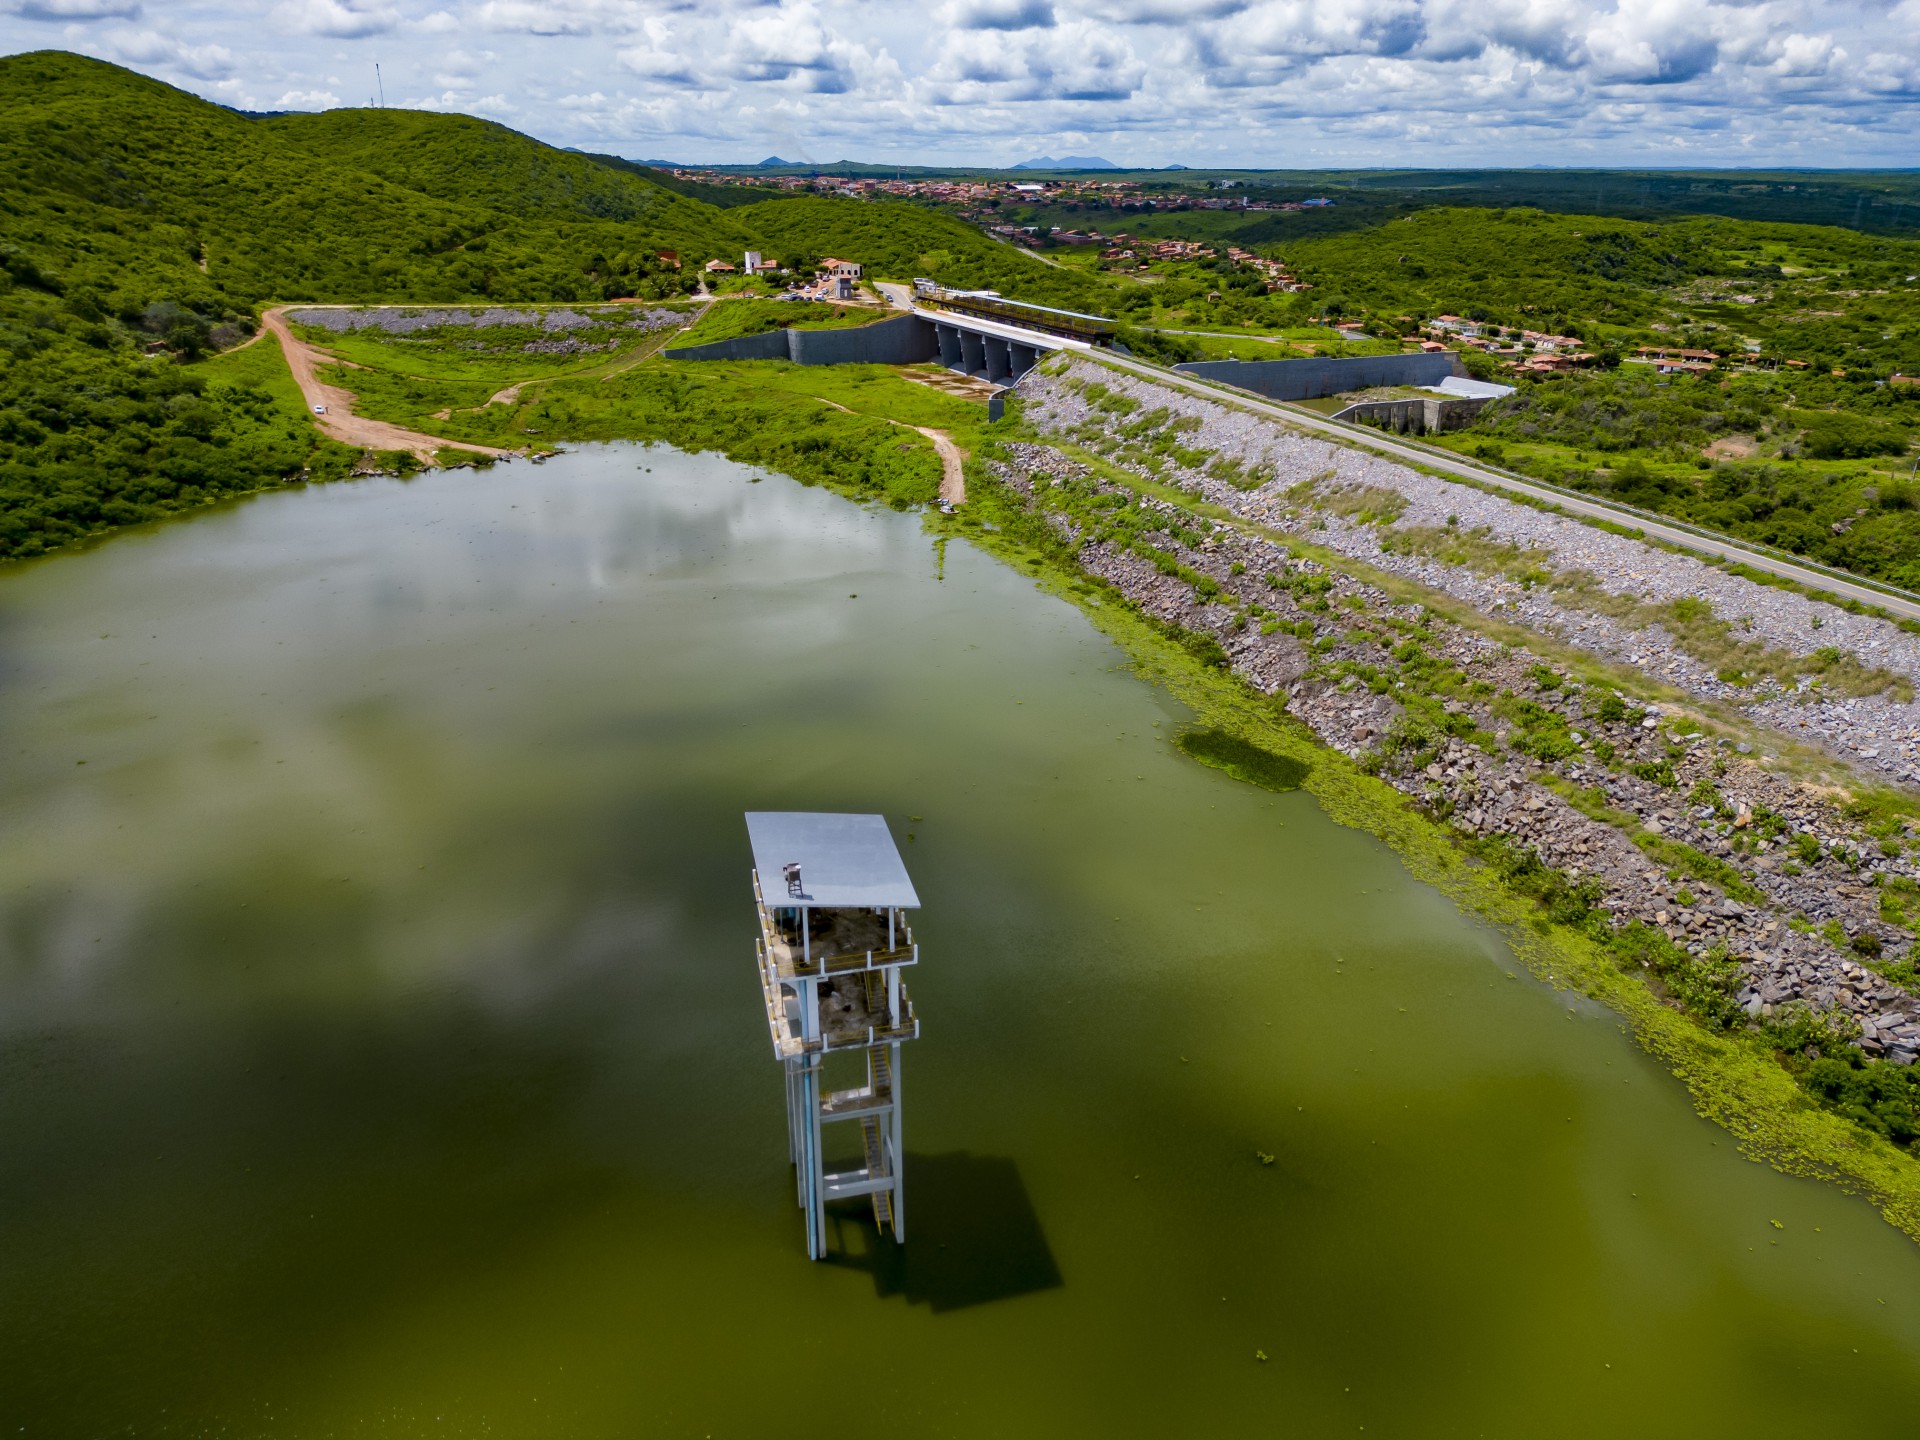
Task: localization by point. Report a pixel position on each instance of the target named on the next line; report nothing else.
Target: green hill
(119, 174)
(140, 219)
(897, 241)
(144, 227)
(724, 196)
(466, 161)
(1818, 292)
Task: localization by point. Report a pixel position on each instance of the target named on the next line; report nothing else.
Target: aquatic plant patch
(1223, 750)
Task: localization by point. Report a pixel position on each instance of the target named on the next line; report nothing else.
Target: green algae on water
(1733, 1080)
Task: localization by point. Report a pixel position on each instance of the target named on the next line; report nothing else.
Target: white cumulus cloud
(1000, 14)
(150, 49)
(1273, 82)
(76, 9)
(337, 18)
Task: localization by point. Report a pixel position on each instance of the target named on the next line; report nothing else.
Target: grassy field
(854, 427)
(723, 320)
(1241, 347)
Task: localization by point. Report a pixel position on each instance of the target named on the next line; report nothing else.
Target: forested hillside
(142, 227)
(1829, 296)
(467, 161)
(1870, 202)
(900, 241)
(725, 196)
(1875, 202)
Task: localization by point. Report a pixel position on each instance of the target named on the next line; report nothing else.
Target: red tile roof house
(1668, 352)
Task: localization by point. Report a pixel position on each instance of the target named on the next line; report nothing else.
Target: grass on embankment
(727, 319)
(849, 426)
(634, 395)
(1733, 1077)
(269, 423)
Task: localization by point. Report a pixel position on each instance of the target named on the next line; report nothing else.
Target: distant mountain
(658, 172)
(1067, 162)
(776, 160)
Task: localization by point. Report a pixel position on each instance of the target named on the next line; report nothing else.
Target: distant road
(1575, 505)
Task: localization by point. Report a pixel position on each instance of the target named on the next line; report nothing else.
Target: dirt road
(339, 422)
(953, 475)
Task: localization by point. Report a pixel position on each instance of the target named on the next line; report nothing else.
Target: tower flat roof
(844, 860)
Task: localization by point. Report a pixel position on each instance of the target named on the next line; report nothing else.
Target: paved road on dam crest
(1715, 546)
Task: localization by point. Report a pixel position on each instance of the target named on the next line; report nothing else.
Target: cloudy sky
(1141, 82)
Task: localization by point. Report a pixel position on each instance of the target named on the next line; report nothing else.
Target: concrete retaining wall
(1418, 417)
(903, 340)
(772, 345)
(1312, 378)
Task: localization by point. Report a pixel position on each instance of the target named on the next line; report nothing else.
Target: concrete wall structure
(986, 355)
(903, 340)
(772, 345)
(1318, 376)
(982, 353)
(1419, 417)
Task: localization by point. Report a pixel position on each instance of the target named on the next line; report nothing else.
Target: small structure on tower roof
(832, 895)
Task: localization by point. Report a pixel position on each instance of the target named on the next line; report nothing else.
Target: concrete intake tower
(832, 894)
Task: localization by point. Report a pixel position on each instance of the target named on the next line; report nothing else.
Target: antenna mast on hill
(381, 83)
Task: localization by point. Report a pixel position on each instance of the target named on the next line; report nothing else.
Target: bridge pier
(973, 353)
(999, 361)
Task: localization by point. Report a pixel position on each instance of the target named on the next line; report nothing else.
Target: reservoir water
(381, 1051)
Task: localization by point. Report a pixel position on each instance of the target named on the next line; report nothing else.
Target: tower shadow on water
(977, 1237)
